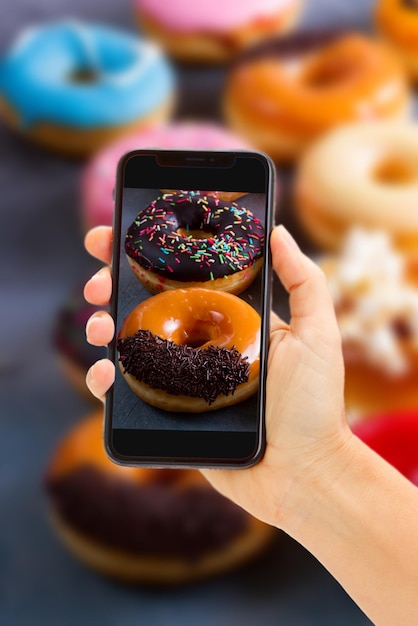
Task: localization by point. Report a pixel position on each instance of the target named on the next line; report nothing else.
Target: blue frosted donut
(88, 77)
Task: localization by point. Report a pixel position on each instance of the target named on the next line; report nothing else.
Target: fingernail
(89, 324)
(98, 275)
(287, 237)
(89, 376)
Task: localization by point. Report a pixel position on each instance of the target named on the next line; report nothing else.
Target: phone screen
(191, 304)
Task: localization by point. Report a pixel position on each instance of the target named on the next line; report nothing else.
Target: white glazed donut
(364, 174)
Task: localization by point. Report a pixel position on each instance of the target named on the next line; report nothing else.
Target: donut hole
(328, 72)
(192, 233)
(83, 76)
(394, 171)
(199, 334)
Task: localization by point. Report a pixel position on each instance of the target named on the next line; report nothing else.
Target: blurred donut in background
(144, 525)
(285, 93)
(376, 303)
(74, 354)
(361, 175)
(74, 86)
(213, 32)
(394, 436)
(397, 22)
(99, 176)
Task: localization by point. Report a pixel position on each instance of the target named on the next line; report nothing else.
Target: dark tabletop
(42, 259)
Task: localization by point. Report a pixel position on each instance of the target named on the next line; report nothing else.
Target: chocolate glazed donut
(188, 239)
(290, 45)
(141, 525)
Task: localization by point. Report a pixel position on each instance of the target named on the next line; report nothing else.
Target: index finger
(98, 243)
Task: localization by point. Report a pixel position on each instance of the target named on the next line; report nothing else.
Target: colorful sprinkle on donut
(189, 236)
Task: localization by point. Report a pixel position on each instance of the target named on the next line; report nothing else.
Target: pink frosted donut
(99, 176)
(213, 31)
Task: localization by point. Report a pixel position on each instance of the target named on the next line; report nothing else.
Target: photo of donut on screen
(190, 298)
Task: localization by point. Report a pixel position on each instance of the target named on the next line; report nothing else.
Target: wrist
(311, 487)
(355, 513)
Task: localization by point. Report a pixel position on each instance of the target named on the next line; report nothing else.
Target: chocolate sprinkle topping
(411, 4)
(150, 518)
(401, 329)
(182, 370)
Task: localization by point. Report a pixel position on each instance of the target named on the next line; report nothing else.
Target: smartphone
(191, 303)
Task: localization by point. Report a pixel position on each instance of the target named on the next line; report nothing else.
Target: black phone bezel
(192, 169)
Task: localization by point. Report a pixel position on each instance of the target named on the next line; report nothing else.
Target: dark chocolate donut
(141, 525)
(168, 237)
(150, 518)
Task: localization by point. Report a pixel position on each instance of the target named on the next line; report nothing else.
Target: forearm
(359, 517)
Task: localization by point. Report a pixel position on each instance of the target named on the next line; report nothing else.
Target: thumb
(311, 306)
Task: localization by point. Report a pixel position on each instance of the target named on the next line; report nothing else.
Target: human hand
(305, 417)
(305, 422)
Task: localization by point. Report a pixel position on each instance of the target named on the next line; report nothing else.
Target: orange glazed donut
(397, 21)
(144, 525)
(285, 94)
(207, 343)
